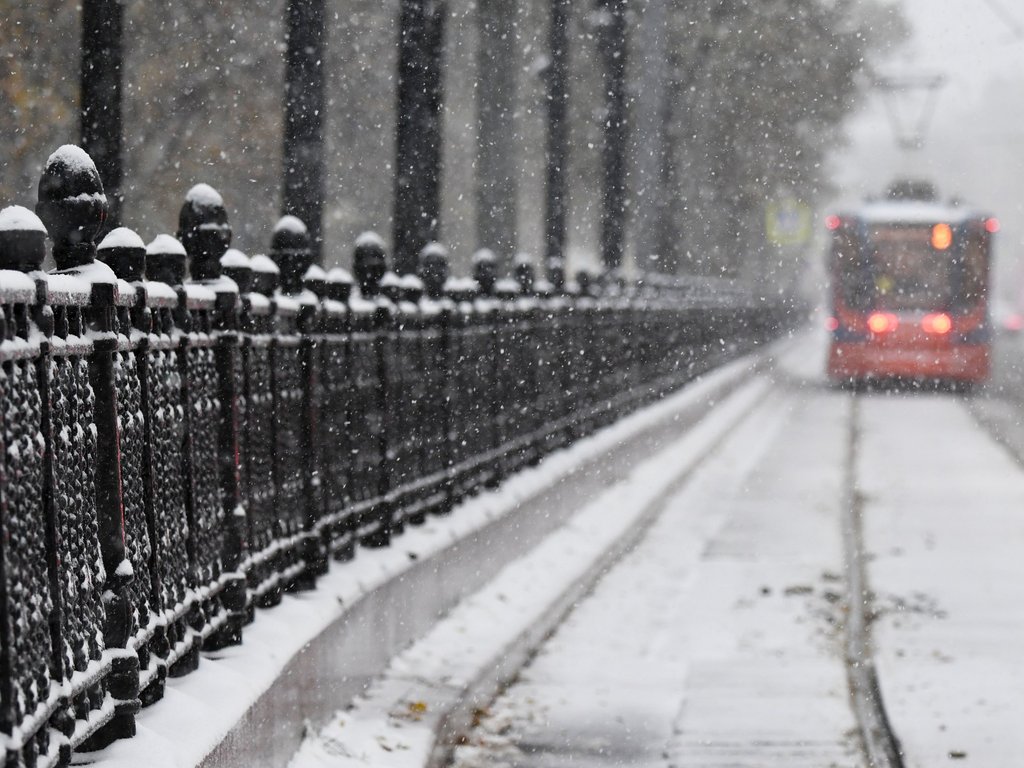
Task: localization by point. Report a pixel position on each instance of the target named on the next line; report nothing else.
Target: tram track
(880, 742)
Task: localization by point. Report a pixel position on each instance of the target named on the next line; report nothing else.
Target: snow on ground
(714, 643)
(944, 523)
(198, 710)
(393, 725)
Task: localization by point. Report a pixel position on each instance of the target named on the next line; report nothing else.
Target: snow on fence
(179, 452)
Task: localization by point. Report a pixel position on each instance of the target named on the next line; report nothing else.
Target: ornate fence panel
(435, 399)
(338, 525)
(197, 360)
(173, 596)
(88, 549)
(288, 387)
(257, 441)
(29, 697)
(174, 458)
(473, 433)
(367, 413)
(407, 434)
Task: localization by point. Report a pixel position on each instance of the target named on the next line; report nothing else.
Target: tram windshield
(901, 267)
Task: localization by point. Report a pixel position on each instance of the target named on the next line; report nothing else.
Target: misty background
(973, 147)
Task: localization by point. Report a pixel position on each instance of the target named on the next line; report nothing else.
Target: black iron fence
(177, 453)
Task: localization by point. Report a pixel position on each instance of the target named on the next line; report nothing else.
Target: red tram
(910, 292)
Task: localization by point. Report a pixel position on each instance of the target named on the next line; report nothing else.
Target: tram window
(908, 273)
(975, 276)
(854, 278)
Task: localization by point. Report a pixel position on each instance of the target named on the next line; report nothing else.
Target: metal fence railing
(177, 453)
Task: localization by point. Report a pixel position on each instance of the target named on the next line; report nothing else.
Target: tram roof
(914, 212)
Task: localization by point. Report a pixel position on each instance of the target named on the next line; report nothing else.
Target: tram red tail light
(832, 324)
(882, 322)
(833, 222)
(938, 323)
(942, 237)
(992, 225)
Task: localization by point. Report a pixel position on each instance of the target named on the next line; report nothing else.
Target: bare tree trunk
(417, 217)
(612, 45)
(101, 84)
(649, 135)
(555, 208)
(496, 172)
(303, 117)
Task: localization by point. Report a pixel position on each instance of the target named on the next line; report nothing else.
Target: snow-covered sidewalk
(943, 508)
(715, 643)
(718, 640)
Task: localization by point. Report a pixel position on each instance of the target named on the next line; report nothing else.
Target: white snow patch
(73, 157)
(160, 291)
(17, 287)
(122, 237)
(263, 263)
(340, 275)
(235, 258)
(165, 244)
(370, 238)
(16, 218)
(205, 196)
(315, 272)
(291, 223)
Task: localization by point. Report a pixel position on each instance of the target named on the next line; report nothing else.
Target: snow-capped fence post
(437, 308)
(561, 307)
(473, 371)
(217, 516)
(393, 375)
(487, 402)
(30, 698)
(407, 393)
(584, 352)
(175, 644)
(267, 562)
(295, 458)
(337, 525)
(370, 321)
(311, 323)
(80, 395)
(526, 362)
(124, 252)
(509, 380)
(547, 331)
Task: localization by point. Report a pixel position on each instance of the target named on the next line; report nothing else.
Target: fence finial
(124, 252)
(204, 231)
(433, 269)
(72, 205)
(22, 239)
(292, 251)
(369, 263)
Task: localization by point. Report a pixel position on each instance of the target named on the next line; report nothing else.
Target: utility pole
(101, 79)
(304, 117)
(557, 131)
(418, 141)
(496, 174)
(611, 42)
